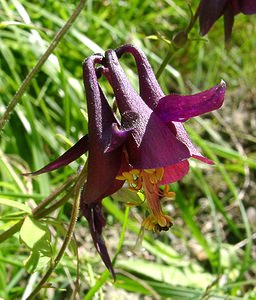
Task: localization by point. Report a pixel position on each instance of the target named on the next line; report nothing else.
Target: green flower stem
(76, 289)
(74, 215)
(105, 275)
(45, 212)
(172, 50)
(193, 19)
(42, 213)
(58, 37)
(165, 62)
(39, 208)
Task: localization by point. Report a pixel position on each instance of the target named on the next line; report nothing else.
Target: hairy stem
(164, 63)
(37, 211)
(44, 212)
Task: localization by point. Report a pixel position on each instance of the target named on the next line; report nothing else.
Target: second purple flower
(210, 11)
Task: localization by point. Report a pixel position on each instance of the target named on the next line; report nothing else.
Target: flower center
(148, 182)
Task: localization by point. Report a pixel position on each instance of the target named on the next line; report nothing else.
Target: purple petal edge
(180, 108)
(70, 155)
(203, 159)
(118, 138)
(184, 138)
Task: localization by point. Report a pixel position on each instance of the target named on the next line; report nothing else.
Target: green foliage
(210, 252)
(36, 236)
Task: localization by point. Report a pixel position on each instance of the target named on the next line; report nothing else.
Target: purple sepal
(209, 12)
(229, 18)
(72, 154)
(102, 167)
(184, 138)
(118, 137)
(181, 108)
(96, 221)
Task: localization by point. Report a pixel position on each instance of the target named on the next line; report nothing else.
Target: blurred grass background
(210, 252)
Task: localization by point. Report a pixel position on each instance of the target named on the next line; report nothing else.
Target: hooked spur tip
(96, 222)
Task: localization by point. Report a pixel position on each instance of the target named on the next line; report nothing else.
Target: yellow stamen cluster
(157, 225)
(133, 179)
(148, 181)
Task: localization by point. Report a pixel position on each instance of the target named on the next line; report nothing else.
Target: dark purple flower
(155, 147)
(148, 148)
(211, 10)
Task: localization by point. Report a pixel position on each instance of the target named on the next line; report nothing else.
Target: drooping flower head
(152, 149)
(148, 147)
(211, 10)
(161, 119)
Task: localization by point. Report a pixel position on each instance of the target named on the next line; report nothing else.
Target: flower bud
(180, 39)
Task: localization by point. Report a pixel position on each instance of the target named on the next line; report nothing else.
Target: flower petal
(112, 186)
(72, 154)
(181, 108)
(229, 18)
(158, 148)
(184, 138)
(150, 91)
(209, 12)
(121, 133)
(102, 167)
(96, 221)
(118, 138)
(175, 172)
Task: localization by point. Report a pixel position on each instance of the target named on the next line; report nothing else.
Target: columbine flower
(149, 148)
(157, 148)
(211, 10)
(169, 110)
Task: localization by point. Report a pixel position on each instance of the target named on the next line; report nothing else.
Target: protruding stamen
(167, 193)
(159, 173)
(147, 180)
(127, 176)
(135, 172)
(150, 223)
(120, 177)
(149, 171)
